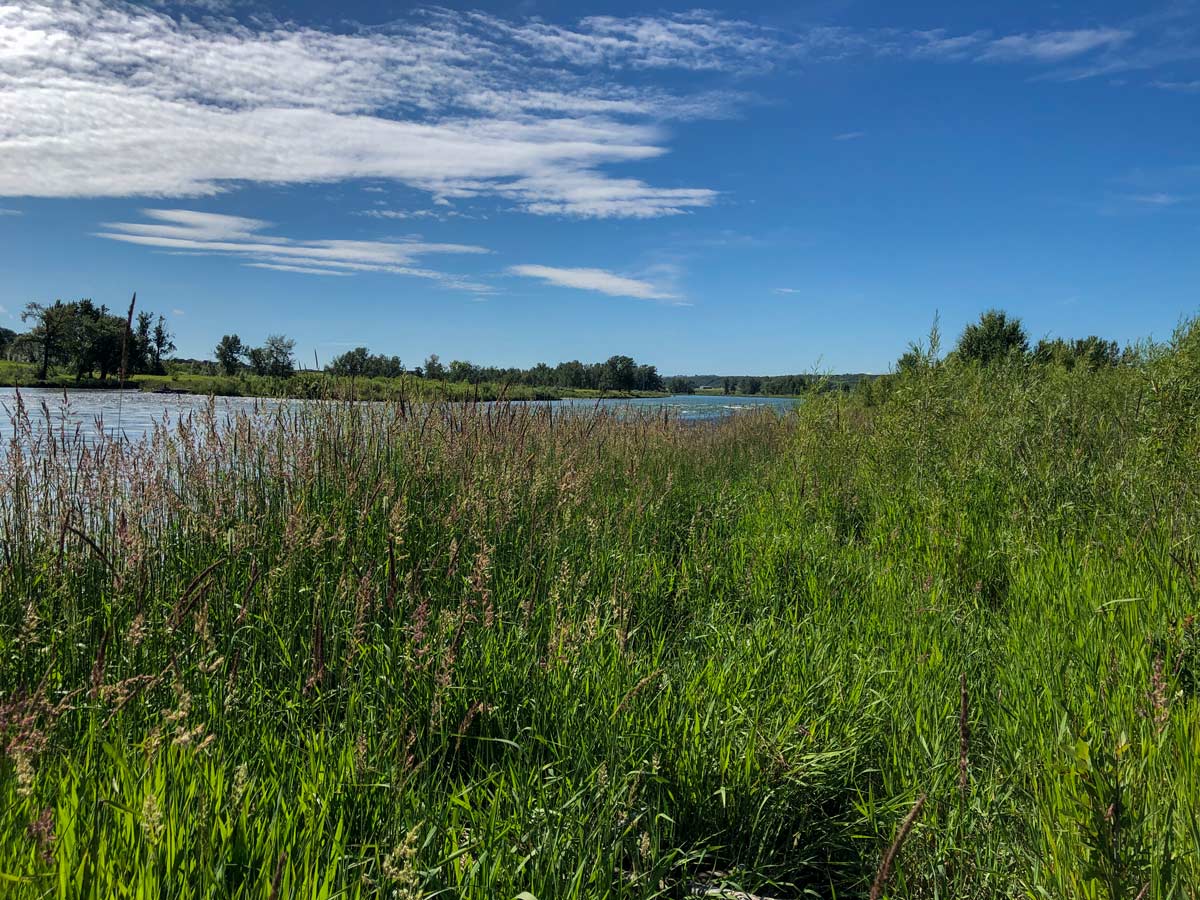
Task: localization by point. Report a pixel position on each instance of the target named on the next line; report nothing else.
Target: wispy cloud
(178, 312)
(10, 212)
(1159, 198)
(146, 104)
(405, 213)
(1183, 87)
(849, 136)
(599, 280)
(188, 231)
(1054, 46)
(788, 291)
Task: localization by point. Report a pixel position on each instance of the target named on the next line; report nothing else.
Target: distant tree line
(89, 340)
(765, 385)
(617, 373)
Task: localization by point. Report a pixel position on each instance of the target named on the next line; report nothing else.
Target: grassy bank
(488, 653)
(309, 385)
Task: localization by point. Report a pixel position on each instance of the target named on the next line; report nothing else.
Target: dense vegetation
(494, 652)
(89, 340)
(81, 344)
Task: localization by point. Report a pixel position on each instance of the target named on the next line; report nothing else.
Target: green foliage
(994, 338)
(360, 362)
(90, 341)
(380, 650)
(1092, 352)
(229, 352)
(274, 359)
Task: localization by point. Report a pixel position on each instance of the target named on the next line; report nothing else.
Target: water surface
(134, 414)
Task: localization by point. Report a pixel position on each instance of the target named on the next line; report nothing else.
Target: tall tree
(229, 353)
(434, 368)
(162, 343)
(51, 332)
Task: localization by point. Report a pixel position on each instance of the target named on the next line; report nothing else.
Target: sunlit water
(133, 414)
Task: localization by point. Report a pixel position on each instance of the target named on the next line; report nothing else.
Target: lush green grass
(490, 653)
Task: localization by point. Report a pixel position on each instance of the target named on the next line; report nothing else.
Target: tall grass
(470, 651)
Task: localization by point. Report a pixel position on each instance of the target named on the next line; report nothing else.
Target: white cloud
(10, 212)
(113, 100)
(178, 312)
(849, 136)
(599, 280)
(187, 231)
(788, 291)
(402, 213)
(1054, 46)
(109, 99)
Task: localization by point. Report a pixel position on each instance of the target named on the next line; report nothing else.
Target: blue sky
(767, 188)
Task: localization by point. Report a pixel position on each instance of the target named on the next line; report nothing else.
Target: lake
(135, 413)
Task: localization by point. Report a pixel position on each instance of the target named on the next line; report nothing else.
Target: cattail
(964, 733)
(885, 867)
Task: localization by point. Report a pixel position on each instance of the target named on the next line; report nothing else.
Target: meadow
(934, 639)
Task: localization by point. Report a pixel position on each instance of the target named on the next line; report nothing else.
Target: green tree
(618, 374)
(351, 364)
(996, 336)
(51, 332)
(275, 357)
(162, 344)
(434, 368)
(229, 353)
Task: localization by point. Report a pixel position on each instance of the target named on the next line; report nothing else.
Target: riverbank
(311, 385)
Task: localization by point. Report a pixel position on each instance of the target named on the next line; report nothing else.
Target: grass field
(490, 653)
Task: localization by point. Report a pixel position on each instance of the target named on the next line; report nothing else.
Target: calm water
(135, 413)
